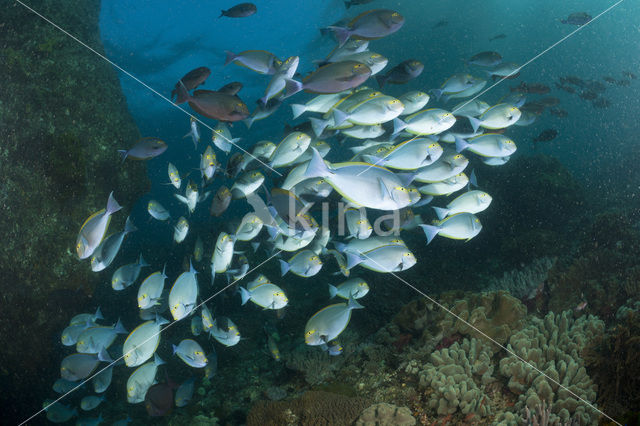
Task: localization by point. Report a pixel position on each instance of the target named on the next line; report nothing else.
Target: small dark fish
(485, 59)
(629, 74)
(331, 78)
(588, 96)
(623, 83)
(159, 400)
(535, 108)
(498, 37)
(218, 106)
(231, 88)
(595, 86)
(190, 81)
(549, 101)
(440, 24)
(144, 149)
(241, 10)
(565, 87)
(232, 165)
(401, 73)
(534, 88)
(558, 112)
(350, 3)
(571, 79)
(578, 18)
(220, 202)
(370, 25)
(546, 135)
(609, 80)
(601, 103)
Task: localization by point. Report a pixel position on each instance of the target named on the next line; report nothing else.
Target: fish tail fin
(182, 94)
(381, 79)
(213, 275)
(461, 144)
(245, 295)
(426, 199)
(255, 245)
(157, 360)
(164, 269)
(333, 290)
(398, 126)
(473, 179)
(353, 304)
(318, 125)
(341, 34)
(291, 87)
(317, 166)
(406, 178)
(441, 212)
(430, 231)
(160, 320)
(353, 260)
(129, 226)
(249, 122)
(437, 93)
(123, 154)
(174, 349)
(112, 205)
(298, 110)
(119, 328)
(339, 117)
(230, 56)
(141, 262)
(98, 314)
(103, 355)
(222, 13)
(284, 267)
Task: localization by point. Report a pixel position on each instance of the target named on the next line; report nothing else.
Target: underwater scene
(320, 212)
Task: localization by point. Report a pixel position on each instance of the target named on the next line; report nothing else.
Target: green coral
(554, 346)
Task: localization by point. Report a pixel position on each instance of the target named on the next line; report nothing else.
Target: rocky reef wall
(62, 118)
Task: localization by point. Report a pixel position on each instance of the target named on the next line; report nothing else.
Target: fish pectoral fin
(384, 191)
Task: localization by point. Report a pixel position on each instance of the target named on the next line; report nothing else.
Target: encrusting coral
(385, 414)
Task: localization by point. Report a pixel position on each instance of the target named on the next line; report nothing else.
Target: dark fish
(498, 37)
(331, 78)
(609, 80)
(571, 79)
(190, 81)
(549, 101)
(623, 83)
(290, 209)
(559, 112)
(629, 74)
(595, 86)
(231, 88)
(546, 135)
(401, 73)
(220, 202)
(370, 25)
(578, 18)
(588, 96)
(485, 59)
(601, 103)
(159, 400)
(144, 149)
(565, 87)
(241, 10)
(350, 3)
(232, 165)
(218, 106)
(537, 88)
(440, 24)
(535, 108)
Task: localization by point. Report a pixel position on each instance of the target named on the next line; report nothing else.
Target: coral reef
(496, 314)
(63, 118)
(456, 377)
(522, 282)
(386, 414)
(316, 365)
(312, 408)
(613, 360)
(554, 346)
